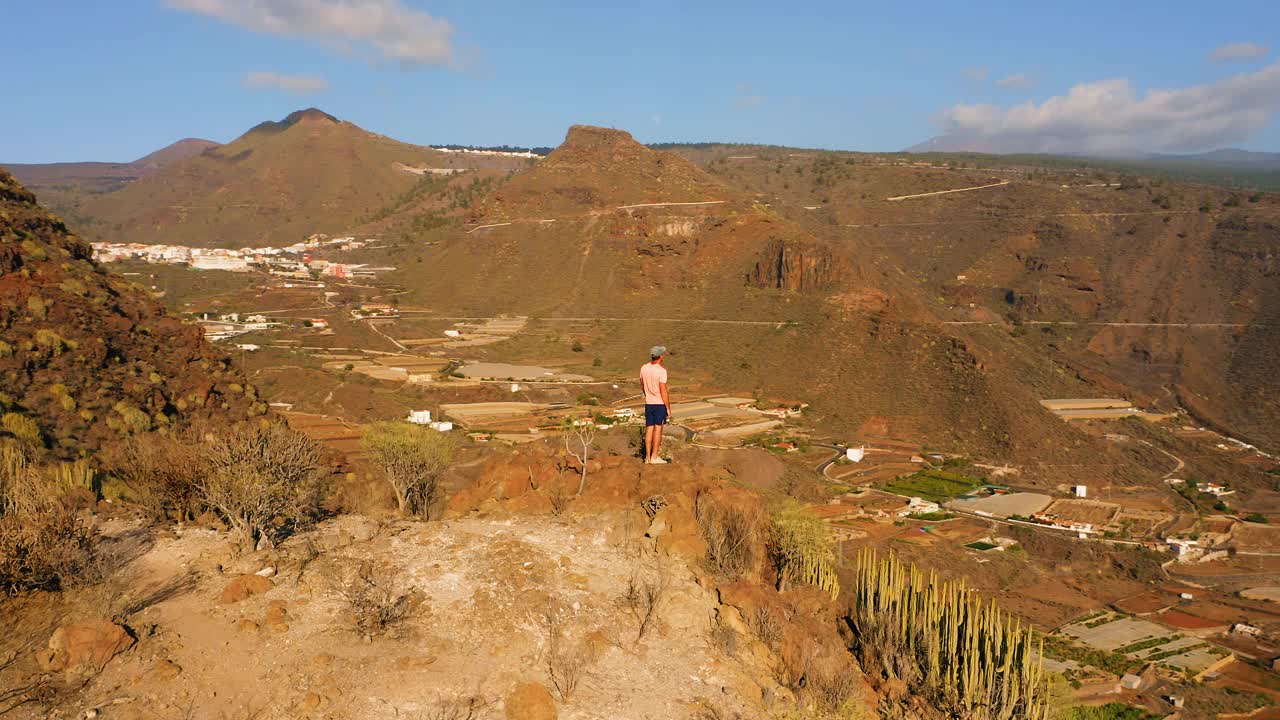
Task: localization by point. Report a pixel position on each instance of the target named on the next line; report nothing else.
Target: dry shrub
(832, 685)
(42, 543)
(645, 594)
(376, 605)
(459, 707)
(161, 473)
(566, 661)
(765, 626)
(724, 638)
(734, 534)
(262, 480)
(560, 499)
(705, 709)
(42, 551)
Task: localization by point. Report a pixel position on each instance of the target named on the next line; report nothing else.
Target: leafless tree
(260, 474)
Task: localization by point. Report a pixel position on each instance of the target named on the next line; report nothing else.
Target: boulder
(84, 648)
(244, 587)
(530, 701)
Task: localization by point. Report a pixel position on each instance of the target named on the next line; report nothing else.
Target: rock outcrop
(794, 266)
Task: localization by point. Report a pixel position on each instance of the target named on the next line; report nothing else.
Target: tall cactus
(971, 660)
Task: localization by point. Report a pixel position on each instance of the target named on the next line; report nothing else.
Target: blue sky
(115, 80)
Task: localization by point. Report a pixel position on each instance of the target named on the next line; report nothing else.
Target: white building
(441, 426)
(219, 262)
(919, 506)
(1080, 490)
(855, 454)
(419, 417)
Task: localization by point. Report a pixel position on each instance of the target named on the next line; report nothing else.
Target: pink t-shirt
(651, 376)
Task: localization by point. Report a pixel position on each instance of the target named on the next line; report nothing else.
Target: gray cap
(657, 351)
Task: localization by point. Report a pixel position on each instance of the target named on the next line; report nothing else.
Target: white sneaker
(657, 461)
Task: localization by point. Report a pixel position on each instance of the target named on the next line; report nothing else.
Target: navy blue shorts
(655, 415)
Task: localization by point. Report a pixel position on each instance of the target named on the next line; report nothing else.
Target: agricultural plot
(936, 485)
(1093, 512)
(1141, 523)
(1145, 642)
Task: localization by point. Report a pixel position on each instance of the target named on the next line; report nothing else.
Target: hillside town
(292, 261)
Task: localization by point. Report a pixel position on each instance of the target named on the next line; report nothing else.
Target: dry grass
(43, 544)
(735, 535)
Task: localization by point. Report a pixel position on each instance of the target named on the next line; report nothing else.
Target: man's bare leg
(657, 441)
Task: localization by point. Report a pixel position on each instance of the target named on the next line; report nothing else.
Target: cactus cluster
(963, 656)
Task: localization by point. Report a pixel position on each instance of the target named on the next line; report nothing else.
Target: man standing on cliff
(657, 404)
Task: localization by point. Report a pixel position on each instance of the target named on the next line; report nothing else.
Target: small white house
(515, 387)
(1242, 629)
(419, 417)
(855, 454)
(1080, 490)
(247, 347)
(441, 426)
(452, 333)
(919, 506)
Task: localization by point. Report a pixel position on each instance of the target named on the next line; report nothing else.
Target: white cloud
(1020, 81)
(388, 28)
(301, 84)
(746, 98)
(1109, 115)
(1238, 51)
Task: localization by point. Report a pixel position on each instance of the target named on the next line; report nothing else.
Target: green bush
(1110, 711)
(412, 458)
(133, 420)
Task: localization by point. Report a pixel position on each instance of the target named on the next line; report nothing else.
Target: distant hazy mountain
(1228, 157)
(181, 150)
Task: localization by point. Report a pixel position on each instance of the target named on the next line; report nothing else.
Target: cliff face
(794, 266)
(87, 358)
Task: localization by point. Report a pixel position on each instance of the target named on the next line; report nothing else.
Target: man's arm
(666, 399)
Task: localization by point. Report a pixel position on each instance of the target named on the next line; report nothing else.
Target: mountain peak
(586, 141)
(309, 116)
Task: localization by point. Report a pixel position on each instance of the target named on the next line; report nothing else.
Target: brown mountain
(175, 152)
(64, 187)
(87, 358)
(274, 185)
(606, 228)
(1158, 291)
